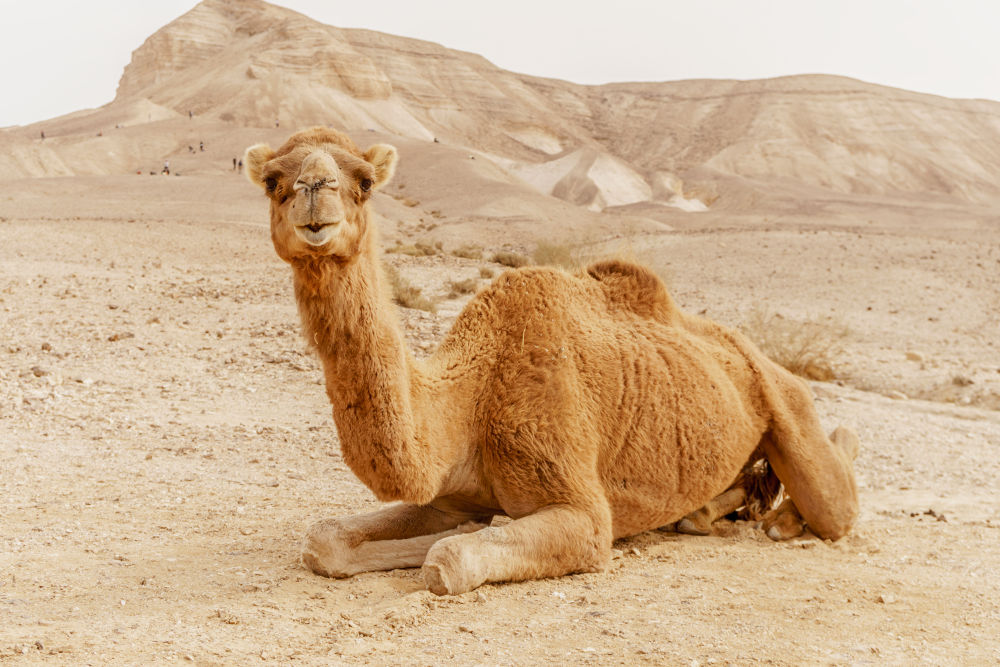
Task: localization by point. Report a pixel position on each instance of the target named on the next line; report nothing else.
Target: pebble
(914, 356)
(897, 395)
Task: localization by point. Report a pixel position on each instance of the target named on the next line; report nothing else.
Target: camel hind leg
(817, 471)
(699, 522)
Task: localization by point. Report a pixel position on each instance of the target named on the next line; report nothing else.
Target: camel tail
(636, 288)
(762, 486)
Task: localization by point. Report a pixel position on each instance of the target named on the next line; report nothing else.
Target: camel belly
(687, 423)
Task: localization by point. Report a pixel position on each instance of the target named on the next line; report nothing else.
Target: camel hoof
(784, 526)
(326, 550)
(689, 526)
(449, 568)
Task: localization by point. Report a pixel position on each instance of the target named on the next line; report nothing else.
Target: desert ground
(165, 441)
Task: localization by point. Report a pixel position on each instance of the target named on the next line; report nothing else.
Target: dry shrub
(808, 348)
(558, 254)
(406, 294)
(468, 251)
(511, 259)
(459, 287)
(486, 272)
(420, 249)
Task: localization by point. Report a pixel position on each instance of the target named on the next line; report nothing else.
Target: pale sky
(60, 56)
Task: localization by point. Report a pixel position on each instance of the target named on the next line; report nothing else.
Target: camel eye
(270, 183)
(366, 184)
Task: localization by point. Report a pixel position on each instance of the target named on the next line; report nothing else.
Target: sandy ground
(165, 441)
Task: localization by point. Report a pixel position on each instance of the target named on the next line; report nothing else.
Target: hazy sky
(61, 56)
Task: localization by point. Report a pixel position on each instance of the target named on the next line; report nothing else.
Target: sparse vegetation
(557, 254)
(510, 258)
(468, 251)
(486, 272)
(808, 348)
(460, 287)
(418, 249)
(406, 294)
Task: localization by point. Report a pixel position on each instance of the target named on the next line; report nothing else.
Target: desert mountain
(638, 147)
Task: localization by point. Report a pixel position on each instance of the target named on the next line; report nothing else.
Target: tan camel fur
(586, 407)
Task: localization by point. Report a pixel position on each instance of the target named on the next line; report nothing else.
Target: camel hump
(636, 287)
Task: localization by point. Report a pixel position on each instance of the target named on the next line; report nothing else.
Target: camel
(585, 407)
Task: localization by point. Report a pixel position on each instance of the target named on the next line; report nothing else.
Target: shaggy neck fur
(370, 374)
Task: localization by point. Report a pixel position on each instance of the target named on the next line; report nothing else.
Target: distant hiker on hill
(43, 135)
(239, 166)
(190, 114)
(166, 167)
(201, 146)
(234, 164)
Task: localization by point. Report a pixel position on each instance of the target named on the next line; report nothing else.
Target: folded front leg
(393, 537)
(553, 541)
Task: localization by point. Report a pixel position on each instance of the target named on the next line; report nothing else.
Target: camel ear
(255, 159)
(383, 157)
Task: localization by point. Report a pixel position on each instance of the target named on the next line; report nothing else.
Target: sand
(166, 442)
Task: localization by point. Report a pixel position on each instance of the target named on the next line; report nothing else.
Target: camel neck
(369, 375)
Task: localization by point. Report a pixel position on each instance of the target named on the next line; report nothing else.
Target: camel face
(318, 183)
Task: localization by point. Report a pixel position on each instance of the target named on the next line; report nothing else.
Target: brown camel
(586, 407)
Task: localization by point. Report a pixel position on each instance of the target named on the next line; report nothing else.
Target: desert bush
(459, 287)
(406, 294)
(511, 259)
(557, 254)
(486, 272)
(807, 348)
(419, 249)
(468, 251)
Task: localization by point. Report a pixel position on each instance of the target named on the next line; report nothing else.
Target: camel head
(319, 183)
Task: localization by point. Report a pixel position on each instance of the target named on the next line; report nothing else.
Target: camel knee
(328, 550)
(847, 441)
(834, 525)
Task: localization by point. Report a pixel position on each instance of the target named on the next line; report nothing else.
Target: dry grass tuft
(406, 294)
(486, 272)
(460, 287)
(808, 349)
(511, 259)
(468, 251)
(419, 249)
(558, 254)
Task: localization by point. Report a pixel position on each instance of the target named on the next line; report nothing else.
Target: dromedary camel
(586, 407)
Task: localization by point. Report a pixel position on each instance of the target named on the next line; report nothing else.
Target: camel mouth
(316, 233)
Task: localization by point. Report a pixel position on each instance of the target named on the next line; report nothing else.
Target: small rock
(38, 371)
(914, 356)
(897, 395)
(465, 628)
(886, 598)
(46, 347)
(635, 551)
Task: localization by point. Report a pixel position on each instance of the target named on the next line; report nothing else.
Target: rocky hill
(689, 145)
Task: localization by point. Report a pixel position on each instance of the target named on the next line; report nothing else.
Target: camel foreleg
(396, 536)
(553, 541)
